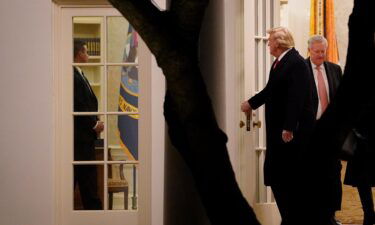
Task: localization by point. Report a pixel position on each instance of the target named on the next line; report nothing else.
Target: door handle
(248, 122)
(257, 124)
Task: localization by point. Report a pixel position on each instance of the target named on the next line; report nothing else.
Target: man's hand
(246, 108)
(287, 136)
(99, 127)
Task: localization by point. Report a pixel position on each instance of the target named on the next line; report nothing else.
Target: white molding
(56, 40)
(283, 1)
(81, 2)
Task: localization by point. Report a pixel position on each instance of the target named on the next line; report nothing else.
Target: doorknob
(242, 123)
(257, 124)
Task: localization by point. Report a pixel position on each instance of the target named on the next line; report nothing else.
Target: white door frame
(62, 98)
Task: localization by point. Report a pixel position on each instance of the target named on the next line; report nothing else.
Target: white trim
(144, 211)
(259, 15)
(107, 64)
(56, 39)
(93, 3)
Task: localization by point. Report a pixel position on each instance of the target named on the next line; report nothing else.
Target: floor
(351, 209)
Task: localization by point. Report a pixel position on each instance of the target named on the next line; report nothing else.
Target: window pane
(122, 41)
(122, 186)
(88, 187)
(123, 90)
(88, 144)
(88, 30)
(88, 88)
(123, 137)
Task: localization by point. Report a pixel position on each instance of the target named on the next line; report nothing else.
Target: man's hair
(317, 38)
(78, 46)
(282, 36)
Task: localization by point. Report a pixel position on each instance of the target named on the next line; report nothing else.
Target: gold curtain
(322, 22)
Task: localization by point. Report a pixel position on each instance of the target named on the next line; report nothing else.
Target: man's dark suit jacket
(84, 134)
(333, 171)
(288, 106)
(334, 75)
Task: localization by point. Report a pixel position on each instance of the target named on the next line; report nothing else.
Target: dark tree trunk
(172, 36)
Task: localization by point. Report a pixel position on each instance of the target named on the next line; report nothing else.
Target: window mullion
(104, 46)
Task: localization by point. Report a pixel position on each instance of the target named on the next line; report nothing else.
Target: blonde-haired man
(289, 122)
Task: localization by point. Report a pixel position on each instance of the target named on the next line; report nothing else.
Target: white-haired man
(327, 77)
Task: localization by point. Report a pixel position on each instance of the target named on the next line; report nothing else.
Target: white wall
(26, 133)
(158, 144)
(299, 23)
(343, 8)
(158, 138)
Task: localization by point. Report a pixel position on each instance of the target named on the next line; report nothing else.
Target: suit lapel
(85, 85)
(277, 71)
(315, 88)
(329, 74)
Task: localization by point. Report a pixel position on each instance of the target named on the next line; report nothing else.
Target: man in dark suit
(327, 77)
(289, 122)
(86, 130)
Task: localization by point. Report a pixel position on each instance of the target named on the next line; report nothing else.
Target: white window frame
(144, 212)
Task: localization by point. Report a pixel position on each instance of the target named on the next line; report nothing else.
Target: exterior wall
(27, 166)
(26, 133)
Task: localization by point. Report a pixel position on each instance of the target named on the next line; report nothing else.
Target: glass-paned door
(102, 161)
(259, 16)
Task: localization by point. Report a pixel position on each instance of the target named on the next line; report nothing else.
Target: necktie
(322, 91)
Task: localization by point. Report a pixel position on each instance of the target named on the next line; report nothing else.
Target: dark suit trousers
(86, 178)
(286, 202)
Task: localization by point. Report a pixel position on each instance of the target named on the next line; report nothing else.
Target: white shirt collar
(79, 69)
(314, 66)
(283, 54)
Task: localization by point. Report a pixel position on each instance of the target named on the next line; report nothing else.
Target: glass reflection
(88, 187)
(122, 186)
(122, 41)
